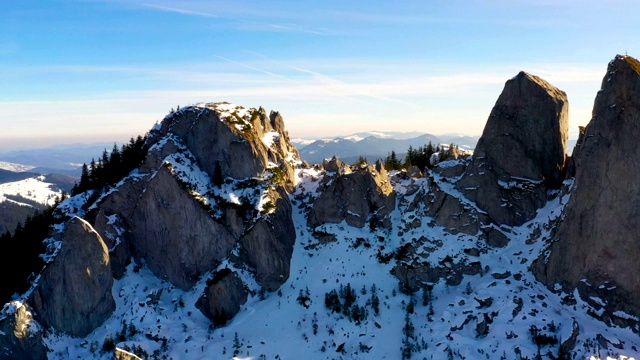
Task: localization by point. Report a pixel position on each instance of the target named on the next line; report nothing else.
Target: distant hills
(61, 159)
(374, 145)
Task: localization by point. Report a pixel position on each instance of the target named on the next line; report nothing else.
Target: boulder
(73, 294)
(596, 242)
(223, 297)
(521, 153)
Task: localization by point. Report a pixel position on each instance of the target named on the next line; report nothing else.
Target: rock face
(213, 187)
(246, 140)
(359, 196)
(521, 152)
(20, 336)
(178, 238)
(74, 292)
(597, 239)
(223, 297)
(268, 245)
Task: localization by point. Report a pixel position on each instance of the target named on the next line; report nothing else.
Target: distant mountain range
(61, 159)
(374, 145)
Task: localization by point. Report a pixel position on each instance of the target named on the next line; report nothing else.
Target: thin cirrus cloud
(243, 18)
(176, 10)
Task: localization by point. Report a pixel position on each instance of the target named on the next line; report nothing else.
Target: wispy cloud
(179, 10)
(294, 28)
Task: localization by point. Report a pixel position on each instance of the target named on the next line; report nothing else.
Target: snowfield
(34, 189)
(15, 167)
(155, 318)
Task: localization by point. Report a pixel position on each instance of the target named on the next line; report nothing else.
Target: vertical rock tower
(521, 153)
(597, 241)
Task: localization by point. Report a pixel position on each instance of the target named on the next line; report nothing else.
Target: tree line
(112, 167)
(420, 157)
(20, 258)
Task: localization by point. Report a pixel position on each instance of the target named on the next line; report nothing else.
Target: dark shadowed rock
(268, 245)
(20, 335)
(223, 297)
(451, 212)
(176, 236)
(359, 196)
(74, 291)
(112, 229)
(521, 152)
(596, 247)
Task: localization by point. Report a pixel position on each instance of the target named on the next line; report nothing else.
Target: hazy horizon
(106, 70)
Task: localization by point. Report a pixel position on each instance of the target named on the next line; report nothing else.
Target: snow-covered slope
(499, 313)
(15, 167)
(35, 189)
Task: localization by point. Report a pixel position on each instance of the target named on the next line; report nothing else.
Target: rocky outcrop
(224, 295)
(268, 245)
(20, 335)
(74, 292)
(596, 244)
(120, 354)
(215, 180)
(246, 140)
(521, 152)
(451, 212)
(361, 196)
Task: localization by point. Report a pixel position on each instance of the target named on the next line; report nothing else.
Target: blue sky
(85, 71)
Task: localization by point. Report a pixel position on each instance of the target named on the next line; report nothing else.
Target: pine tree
(236, 345)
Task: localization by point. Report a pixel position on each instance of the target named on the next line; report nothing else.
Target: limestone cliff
(596, 242)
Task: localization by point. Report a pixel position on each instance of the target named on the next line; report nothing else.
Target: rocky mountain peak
(595, 246)
(521, 152)
(631, 61)
(248, 140)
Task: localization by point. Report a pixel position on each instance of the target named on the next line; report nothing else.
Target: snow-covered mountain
(22, 193)
(15, 167)
(61, 159)
(375, 145)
